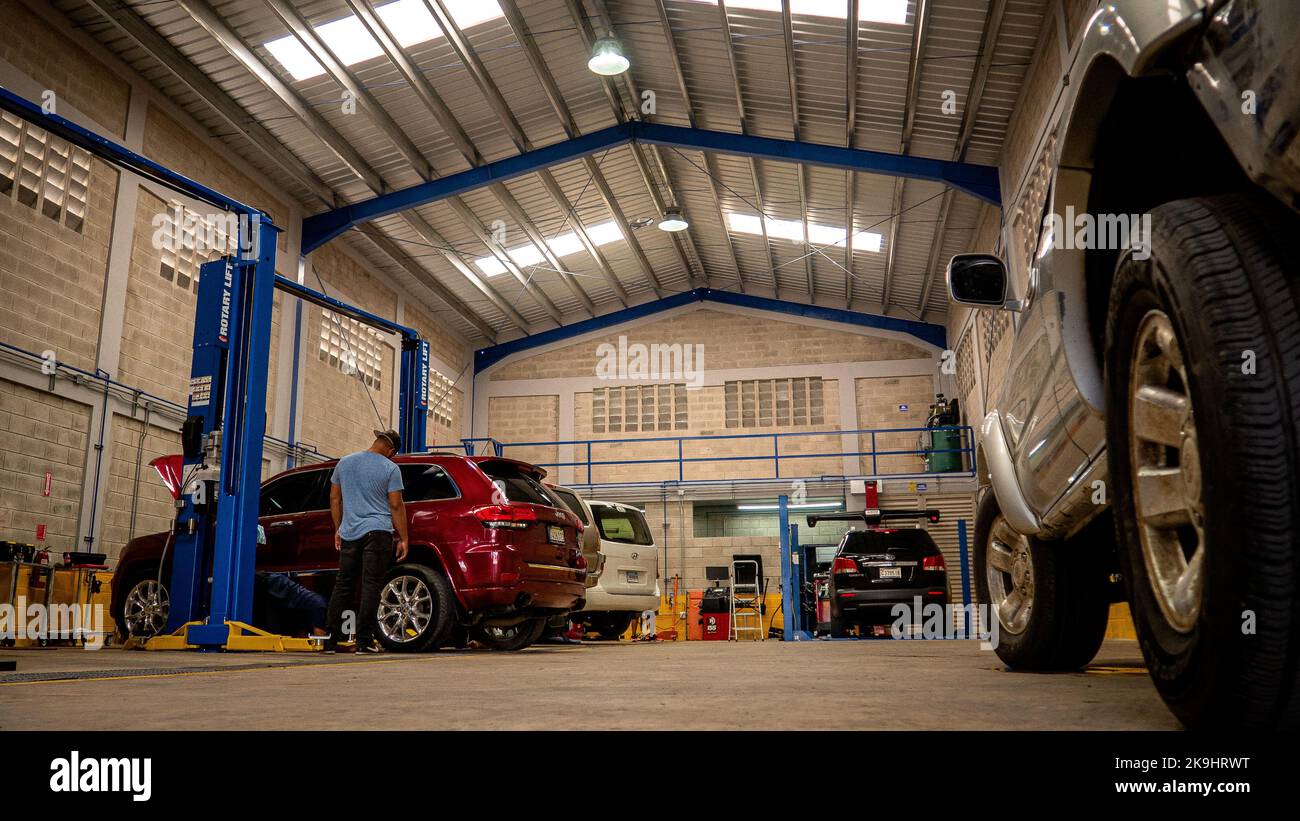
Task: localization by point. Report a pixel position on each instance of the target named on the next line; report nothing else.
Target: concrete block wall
(52, 276)
(880, 402)
(96, 298)
(707, 417)
(865, 375)
(64, 66)
(153, 503)
(40, 433)
(340, 411)
(527, 419)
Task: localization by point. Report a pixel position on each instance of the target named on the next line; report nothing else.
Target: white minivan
(629, 580)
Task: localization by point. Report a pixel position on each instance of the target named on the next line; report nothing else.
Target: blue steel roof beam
(226, 37)
(980, 181)
(787, 29)
(681, 244)
(920, 33)
(543, 73)
(978, 80)
(710, 167)
(496, 101)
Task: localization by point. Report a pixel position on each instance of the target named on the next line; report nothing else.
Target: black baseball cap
(391, 436)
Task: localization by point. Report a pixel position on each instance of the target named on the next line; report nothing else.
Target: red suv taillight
(843, 564)
(933, 563)
(510, 517)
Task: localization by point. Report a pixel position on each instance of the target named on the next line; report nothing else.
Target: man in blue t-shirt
(366, 502)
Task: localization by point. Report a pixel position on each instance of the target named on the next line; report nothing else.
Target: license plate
(891, 572)
(634, 577)
(555, 534)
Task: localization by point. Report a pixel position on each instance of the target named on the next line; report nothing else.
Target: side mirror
(979, 279)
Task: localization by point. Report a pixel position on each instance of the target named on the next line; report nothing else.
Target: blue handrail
(589, 464)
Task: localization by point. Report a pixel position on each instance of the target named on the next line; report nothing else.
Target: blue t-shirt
(365, 479)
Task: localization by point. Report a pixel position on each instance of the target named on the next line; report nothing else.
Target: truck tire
(1050, 599)
(1203, 441)
(416, 609)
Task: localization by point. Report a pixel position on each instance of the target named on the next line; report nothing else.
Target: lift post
(791, 577)
(226, 424)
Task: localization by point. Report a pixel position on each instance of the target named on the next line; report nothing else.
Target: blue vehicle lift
(215, 532)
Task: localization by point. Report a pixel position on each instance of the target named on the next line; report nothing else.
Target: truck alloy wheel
(1165, 469)
(1010, 577)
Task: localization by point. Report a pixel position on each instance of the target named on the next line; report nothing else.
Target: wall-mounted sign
(40, 533)
(49, 484)
(902, 408)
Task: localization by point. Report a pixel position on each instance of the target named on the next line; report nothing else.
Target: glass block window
(442, 403)
(965, 366)
(43, 172)
(355, 349)
(770, 403)
(198, 239)
(639, 408)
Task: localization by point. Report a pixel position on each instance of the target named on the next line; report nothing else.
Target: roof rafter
(978, 80)
(787, 30)
(552, 91)
(147, 38)
(709, 169)
(312, 41)
(920, 33)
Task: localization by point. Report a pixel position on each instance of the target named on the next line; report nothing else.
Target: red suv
(493, 553)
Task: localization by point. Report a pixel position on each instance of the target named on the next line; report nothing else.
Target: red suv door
(294, 511)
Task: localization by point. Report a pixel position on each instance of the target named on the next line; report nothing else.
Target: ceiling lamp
(673, 220)
(607, 58)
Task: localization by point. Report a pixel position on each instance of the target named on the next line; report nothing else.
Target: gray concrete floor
(688, 685)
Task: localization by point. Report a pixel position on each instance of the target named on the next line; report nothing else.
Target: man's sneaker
(373, 648)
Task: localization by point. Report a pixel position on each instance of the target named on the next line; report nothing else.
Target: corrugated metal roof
(705, 40)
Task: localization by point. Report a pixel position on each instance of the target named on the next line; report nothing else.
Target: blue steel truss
(927, 332)
(980, 181)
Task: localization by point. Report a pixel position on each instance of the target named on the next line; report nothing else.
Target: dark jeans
(369, 559)
(281, 605)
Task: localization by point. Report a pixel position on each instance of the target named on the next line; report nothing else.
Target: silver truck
(1145, 441)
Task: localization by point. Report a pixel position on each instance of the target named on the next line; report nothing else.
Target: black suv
(876, 569)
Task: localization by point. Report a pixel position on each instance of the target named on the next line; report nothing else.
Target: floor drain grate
(132, 672)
